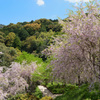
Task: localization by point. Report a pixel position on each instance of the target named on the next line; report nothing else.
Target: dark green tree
(30, 44)
(23, 34)
(17, 43)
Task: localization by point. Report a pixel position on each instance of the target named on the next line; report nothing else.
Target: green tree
(23, 34)
(10, 39)
(30, 44)
(8, 55)
(17, 43)
(32, 28)
(2, 38)
(44, 40)
(44, 24)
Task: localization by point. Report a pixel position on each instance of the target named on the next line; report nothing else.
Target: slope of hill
(1, 26)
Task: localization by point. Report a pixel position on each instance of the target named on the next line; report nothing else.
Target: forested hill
(33, 36)
(41, 25)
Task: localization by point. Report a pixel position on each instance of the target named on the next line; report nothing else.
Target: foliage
(22, 34)
(81, 93)
(10, 39)
(18, 52)
(47, 25)
(32, 36)
(8, 56)
(58, 88)
(31, 28)
(38, 43)
(30, 44)
(17, 43)
(28, 58)
(44, 40)
(23, 97)
(38, 93)
(42, 74)
(46, 98)
(2, 37)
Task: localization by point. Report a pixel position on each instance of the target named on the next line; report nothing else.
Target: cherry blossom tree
(16, 79)
(78, 58)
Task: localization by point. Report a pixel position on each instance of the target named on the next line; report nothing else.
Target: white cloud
(40, 2)
(74, 1)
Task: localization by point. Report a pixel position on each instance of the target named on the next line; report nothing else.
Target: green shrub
(42, 74)
(38, 93)
(46, 98)
(28, 58)
(81, 93)
(59, 88)
(23, 97)
(8, 55)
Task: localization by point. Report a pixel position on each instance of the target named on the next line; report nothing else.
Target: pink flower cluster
(15, 79)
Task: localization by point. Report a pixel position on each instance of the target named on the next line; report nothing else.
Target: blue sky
(13, 11)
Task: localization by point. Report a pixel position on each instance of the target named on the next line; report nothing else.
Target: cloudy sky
(13, 11)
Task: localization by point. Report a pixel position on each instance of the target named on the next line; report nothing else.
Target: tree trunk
(99, 61)
(79, 80)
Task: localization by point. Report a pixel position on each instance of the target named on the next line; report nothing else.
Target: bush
(28, 58)
(23, 97)
(81, 93)
(46, 98)
(59, 88)
(8, 55)
(42, 74)
(38, 93)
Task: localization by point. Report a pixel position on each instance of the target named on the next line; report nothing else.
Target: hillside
(32, 37)
(1, 26)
